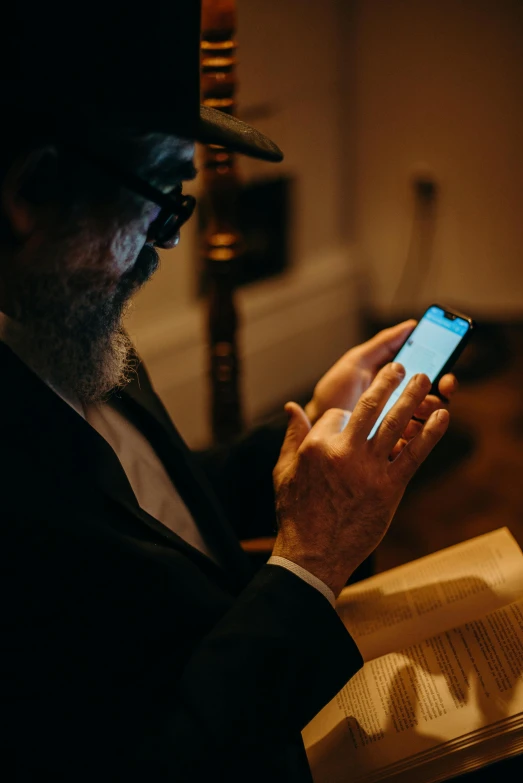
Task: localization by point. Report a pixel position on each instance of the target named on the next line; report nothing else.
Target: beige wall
(362, 95)
(289, 73)
(296, 326)
(439, 88)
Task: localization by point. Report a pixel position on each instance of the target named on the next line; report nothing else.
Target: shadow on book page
(452, 685)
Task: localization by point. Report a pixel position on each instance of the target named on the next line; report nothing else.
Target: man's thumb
(297, 429)
(383, 347)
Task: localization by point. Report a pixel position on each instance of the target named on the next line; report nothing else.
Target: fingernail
(442, 416)
(398, 368)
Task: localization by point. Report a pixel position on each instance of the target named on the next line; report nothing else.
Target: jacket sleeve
(277, 657)
(112, 672)
(241, 477)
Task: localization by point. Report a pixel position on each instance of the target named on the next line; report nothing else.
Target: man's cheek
(125, 248)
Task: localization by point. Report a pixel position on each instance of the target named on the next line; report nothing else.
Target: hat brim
(216, 127)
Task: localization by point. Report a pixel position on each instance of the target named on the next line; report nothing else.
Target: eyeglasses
(175, 208)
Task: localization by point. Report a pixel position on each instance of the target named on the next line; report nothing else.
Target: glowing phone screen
(427, 350)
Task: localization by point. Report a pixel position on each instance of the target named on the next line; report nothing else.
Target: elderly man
(136, 643)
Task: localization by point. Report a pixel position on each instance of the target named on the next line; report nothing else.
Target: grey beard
(69, 328)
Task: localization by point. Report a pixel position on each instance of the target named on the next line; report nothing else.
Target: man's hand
(345, 382)
(336, 491)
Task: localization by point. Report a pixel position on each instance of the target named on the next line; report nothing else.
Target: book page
(429, 693)
(422, 598)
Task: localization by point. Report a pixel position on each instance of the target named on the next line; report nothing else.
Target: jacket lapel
(69, 459)
(140, 403)
(109, 475)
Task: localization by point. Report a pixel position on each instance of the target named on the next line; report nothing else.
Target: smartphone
(432, 348)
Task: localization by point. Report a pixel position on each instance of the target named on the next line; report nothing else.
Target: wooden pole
(222, 244)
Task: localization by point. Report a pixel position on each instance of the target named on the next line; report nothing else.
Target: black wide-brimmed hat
(134, 65)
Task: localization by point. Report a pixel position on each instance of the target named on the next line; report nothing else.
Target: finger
(412, 429)
(332, 422)
(297, 429)
(396, 420)
(448, 386)
(398, 448)
(372, 402)
(418, 449)
(384, 346)
(430, 404)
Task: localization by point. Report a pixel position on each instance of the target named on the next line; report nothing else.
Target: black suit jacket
(127, 654)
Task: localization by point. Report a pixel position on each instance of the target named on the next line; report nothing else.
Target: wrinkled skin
(345, 382)
(337, 491)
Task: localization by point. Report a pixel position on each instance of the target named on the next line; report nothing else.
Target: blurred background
(402, 185)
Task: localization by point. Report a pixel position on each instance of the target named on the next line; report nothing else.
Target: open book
(441, 691)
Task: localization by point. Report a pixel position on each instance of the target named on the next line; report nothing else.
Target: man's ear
(28, 190)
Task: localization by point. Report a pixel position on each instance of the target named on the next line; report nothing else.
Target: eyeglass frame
(179, 206)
